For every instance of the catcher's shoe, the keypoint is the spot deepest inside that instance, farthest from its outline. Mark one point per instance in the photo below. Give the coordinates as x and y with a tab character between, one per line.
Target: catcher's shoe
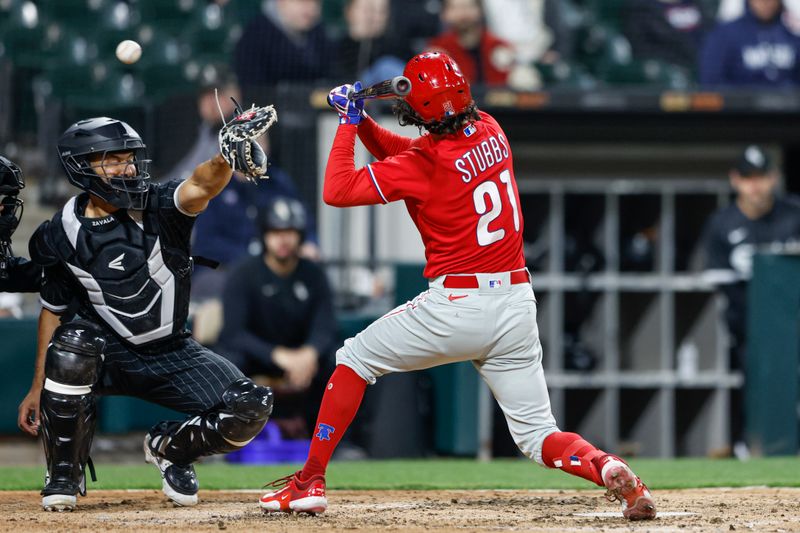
296	496
178	482
625	486
61	494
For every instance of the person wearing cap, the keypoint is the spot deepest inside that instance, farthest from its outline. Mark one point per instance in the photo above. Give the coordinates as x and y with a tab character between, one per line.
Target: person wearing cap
758	217
278	317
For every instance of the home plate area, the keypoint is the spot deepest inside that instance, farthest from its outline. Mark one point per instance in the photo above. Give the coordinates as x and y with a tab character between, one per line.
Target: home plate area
749	509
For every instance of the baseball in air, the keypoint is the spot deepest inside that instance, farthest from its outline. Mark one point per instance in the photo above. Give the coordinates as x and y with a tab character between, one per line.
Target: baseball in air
129	51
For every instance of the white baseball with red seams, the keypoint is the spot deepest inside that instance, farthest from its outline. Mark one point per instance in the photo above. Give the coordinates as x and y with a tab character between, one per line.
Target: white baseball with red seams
494	326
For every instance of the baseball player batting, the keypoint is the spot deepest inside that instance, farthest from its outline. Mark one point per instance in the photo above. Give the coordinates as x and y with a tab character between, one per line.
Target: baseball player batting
458	185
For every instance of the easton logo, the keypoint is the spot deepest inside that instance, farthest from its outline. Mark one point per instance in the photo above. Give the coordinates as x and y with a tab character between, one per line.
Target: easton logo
116	264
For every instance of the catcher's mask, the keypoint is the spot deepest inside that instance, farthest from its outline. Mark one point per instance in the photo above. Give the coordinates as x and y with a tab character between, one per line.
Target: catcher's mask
11	182
281	214
438	88
84	152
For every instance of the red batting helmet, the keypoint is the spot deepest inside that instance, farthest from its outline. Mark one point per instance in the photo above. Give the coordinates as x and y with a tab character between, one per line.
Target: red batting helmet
438	88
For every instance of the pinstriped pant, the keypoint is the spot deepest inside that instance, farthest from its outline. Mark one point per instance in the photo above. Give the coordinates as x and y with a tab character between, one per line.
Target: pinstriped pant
189	379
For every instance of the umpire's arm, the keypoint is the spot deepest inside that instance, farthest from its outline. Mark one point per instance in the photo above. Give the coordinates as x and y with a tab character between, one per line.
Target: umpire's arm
207	181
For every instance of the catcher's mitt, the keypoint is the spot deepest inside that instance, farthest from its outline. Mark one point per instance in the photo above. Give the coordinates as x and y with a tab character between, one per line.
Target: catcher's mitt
237	140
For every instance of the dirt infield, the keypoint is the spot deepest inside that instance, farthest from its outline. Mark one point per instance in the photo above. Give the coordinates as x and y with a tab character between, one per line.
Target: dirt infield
755	509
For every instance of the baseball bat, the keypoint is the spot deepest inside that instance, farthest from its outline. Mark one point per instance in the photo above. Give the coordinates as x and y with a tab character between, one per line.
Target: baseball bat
397	86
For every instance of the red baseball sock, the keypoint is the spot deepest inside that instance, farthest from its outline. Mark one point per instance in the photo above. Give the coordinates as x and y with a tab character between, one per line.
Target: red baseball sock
573	455
340	403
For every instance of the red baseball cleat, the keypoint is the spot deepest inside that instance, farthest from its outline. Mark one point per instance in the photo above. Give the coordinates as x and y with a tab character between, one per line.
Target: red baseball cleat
295	496
625	486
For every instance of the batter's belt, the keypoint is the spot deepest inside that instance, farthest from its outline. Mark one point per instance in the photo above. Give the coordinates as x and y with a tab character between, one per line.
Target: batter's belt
471	282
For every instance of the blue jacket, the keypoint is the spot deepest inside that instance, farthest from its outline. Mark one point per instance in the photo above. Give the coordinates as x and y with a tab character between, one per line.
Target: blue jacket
749	53
226	230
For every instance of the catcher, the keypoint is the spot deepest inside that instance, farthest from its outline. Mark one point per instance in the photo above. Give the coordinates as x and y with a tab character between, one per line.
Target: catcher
115	298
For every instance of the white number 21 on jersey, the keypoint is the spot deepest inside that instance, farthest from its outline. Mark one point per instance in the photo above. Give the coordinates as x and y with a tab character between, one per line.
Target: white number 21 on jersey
490	189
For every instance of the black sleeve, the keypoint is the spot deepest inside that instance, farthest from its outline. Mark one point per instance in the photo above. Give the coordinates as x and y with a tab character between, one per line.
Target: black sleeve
23	276
716	248
56	293
324	327
176	224
235	335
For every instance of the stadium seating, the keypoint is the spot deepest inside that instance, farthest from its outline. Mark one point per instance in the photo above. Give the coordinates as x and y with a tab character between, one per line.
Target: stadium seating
212	34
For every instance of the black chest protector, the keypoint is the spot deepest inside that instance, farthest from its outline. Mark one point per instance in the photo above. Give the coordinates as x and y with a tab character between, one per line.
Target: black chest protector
131	279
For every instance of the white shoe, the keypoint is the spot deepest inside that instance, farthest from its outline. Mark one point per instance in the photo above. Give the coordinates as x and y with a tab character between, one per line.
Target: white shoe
59	502
741	451
179	483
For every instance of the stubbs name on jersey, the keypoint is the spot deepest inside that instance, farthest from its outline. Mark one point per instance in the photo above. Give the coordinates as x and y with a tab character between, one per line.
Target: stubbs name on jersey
481	157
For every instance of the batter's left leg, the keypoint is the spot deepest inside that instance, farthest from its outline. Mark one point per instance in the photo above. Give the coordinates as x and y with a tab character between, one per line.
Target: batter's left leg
513	371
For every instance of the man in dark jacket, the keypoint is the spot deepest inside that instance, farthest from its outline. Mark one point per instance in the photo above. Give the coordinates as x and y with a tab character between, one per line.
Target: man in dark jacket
285	43
278	314
759	217
667	30
756	50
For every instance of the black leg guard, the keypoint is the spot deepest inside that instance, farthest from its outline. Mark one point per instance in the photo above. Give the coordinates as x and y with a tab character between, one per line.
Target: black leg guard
68	407
246	409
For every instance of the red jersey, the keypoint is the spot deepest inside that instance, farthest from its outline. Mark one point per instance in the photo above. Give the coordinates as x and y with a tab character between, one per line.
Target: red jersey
459	190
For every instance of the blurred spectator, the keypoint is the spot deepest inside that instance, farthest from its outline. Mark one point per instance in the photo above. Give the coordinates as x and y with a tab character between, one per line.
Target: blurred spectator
732	235
286	42
366	51
413	23
207	144
278	314
538	31
729	10
756	49
483	58
667	30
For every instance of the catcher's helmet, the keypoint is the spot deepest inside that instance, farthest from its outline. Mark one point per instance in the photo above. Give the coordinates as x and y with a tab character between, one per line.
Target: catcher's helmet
438	88
283	213
103	135
11	182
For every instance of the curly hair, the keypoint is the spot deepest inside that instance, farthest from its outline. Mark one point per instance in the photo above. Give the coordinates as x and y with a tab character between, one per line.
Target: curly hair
406	116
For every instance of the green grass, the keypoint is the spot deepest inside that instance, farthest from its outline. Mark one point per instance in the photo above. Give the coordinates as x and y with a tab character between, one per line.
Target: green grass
443	474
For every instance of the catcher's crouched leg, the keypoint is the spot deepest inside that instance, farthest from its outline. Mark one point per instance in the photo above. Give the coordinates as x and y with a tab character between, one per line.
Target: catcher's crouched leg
174	446
68	410
244	412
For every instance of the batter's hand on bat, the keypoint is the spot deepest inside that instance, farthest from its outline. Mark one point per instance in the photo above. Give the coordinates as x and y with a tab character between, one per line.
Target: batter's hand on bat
350	111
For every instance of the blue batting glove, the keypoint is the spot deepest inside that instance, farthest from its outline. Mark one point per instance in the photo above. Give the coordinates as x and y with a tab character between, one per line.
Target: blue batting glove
350	111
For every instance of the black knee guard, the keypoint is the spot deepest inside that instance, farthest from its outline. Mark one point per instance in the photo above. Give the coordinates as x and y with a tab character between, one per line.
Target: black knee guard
246	408
68	411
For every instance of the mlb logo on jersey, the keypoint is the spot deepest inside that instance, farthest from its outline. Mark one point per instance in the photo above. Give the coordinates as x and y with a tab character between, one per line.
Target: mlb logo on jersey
494	283
470	130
